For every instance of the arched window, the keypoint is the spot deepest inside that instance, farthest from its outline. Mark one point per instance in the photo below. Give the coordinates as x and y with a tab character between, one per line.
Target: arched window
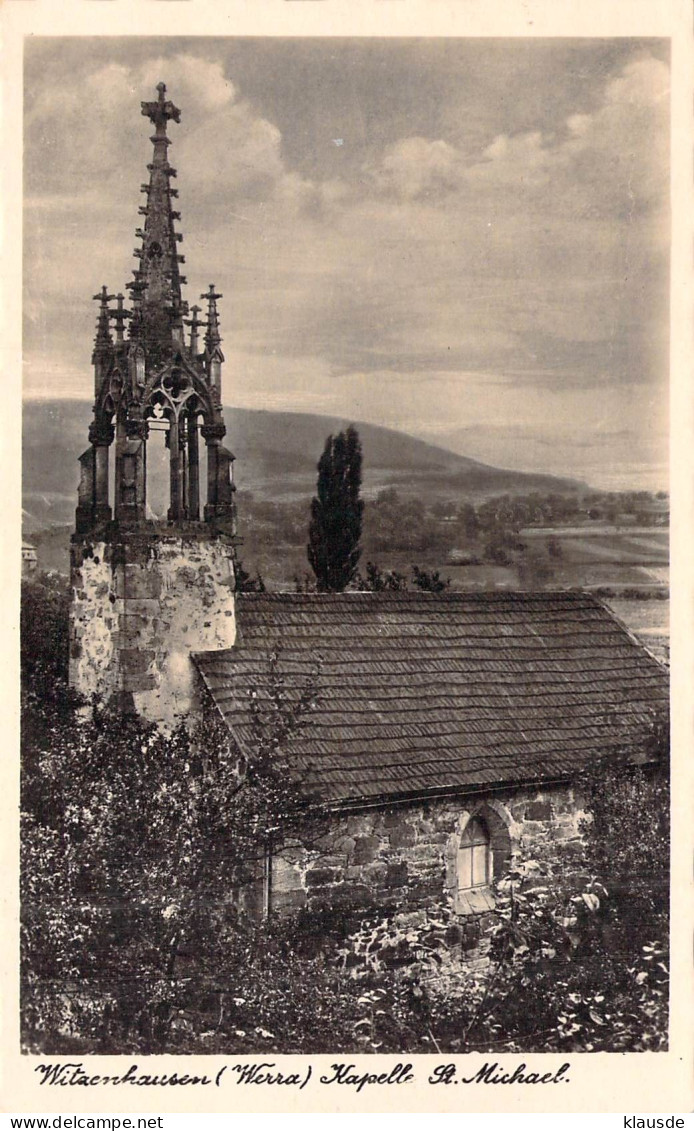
473	866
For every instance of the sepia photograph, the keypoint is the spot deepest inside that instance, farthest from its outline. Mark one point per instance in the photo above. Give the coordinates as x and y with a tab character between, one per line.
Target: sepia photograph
345	545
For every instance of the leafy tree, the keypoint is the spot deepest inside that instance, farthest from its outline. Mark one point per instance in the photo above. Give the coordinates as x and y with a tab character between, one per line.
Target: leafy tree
579	945
245	583
468	522
429	581
142	858
304	583
499	544
443	508
627	840
336	513
534	571
137	936
396	522
44	623
378	580
577	939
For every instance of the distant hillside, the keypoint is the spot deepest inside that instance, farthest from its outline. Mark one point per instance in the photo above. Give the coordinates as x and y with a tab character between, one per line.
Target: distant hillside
276	455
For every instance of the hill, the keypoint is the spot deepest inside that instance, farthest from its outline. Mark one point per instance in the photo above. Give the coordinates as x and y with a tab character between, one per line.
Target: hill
276	456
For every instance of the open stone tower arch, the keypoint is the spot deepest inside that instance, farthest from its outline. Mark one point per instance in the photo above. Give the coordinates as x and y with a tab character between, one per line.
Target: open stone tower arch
145	594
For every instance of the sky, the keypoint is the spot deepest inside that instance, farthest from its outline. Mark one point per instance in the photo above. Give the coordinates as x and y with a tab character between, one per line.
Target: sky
464	239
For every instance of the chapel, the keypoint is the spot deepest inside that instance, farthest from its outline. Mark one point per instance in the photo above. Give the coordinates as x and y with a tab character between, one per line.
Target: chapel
448	729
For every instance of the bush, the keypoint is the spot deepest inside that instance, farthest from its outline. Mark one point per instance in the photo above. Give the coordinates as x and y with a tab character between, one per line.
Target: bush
136	935
44	634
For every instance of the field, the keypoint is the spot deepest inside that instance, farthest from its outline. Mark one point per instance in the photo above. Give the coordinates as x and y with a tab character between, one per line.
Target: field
588	545
625	564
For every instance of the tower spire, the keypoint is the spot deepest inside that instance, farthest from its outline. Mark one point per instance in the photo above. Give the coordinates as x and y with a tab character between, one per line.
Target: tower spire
152	379
158	306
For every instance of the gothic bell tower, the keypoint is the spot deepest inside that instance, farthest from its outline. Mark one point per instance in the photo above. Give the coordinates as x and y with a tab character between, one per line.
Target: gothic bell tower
146	593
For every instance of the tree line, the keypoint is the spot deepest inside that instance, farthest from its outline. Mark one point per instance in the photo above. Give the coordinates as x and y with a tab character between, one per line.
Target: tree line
342	530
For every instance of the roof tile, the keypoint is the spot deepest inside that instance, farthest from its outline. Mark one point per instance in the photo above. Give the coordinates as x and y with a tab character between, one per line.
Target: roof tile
427	693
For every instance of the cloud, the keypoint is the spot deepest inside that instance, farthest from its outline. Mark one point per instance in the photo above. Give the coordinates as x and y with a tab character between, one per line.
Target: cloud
620	155
417	167
225	141
610	162
80	135
530	263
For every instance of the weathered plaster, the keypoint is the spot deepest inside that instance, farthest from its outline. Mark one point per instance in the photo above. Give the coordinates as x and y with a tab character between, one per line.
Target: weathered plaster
94	613
140	606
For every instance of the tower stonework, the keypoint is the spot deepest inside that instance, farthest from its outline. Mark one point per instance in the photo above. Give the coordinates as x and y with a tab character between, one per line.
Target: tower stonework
145	592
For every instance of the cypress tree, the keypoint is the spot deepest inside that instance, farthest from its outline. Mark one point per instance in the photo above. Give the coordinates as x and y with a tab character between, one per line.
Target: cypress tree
336	513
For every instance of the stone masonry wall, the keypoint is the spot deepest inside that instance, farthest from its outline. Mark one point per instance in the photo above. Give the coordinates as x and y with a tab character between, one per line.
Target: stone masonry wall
405	858
139	607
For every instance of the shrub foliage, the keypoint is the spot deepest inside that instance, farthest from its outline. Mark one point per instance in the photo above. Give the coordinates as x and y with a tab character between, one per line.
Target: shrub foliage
142	862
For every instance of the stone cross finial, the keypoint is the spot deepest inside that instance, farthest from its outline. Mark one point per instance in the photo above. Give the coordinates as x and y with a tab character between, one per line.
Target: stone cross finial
103	296
161	111
212	337
103	336
195	323
119	316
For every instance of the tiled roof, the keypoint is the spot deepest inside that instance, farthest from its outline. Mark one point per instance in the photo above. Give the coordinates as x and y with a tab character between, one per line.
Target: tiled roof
423	694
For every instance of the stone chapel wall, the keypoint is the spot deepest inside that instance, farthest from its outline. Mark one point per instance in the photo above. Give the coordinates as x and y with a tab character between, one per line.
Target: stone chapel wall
404	858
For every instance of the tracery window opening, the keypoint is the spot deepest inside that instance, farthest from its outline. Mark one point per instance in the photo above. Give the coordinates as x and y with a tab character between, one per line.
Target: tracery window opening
474	856
158	498
179	467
